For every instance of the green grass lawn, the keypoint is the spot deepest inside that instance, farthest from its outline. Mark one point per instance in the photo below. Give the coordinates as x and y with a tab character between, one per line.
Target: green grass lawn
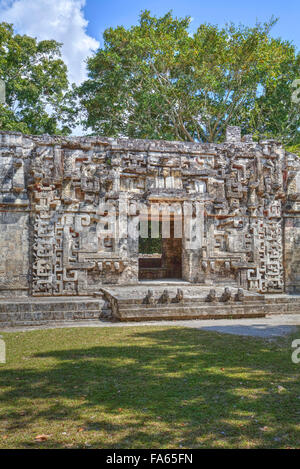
148	387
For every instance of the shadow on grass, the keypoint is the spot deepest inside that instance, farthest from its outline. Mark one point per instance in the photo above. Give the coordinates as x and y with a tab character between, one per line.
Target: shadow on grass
164	388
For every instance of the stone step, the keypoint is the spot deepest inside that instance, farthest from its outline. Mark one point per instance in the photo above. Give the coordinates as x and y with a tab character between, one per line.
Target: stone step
15	307
192	312
179	315
200	305
186	301
150	312
39	311
127	304
36	316
130	303
18	323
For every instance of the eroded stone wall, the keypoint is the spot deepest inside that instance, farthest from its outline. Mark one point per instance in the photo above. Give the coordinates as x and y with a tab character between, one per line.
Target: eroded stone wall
241	199
14	217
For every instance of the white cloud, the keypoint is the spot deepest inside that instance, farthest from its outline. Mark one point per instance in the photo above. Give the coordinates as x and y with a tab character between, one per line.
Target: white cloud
62	20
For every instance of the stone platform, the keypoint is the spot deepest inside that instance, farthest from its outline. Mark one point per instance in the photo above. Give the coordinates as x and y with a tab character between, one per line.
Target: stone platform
128	303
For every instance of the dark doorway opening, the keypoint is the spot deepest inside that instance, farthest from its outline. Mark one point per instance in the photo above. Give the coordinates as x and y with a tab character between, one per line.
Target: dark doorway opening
160	258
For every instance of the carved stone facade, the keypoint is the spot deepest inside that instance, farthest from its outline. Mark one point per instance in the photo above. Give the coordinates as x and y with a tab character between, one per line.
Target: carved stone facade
70	210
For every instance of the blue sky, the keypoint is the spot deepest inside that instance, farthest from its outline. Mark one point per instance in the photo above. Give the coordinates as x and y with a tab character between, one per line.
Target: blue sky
102	14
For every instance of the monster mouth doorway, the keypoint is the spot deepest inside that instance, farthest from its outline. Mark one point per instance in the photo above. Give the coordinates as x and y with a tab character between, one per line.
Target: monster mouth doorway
160	257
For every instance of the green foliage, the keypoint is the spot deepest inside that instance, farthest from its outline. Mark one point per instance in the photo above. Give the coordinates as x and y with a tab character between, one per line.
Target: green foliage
156	80
151	245
275	113
36	84
294	149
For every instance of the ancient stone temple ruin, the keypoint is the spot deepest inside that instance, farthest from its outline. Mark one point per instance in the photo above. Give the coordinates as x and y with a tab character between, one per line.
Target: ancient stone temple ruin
75	212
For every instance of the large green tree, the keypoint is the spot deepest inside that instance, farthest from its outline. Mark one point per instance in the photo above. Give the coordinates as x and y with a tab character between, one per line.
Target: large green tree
277	111
157	80
36	84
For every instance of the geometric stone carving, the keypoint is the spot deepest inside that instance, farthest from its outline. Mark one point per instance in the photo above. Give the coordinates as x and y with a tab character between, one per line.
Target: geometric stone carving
71	208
